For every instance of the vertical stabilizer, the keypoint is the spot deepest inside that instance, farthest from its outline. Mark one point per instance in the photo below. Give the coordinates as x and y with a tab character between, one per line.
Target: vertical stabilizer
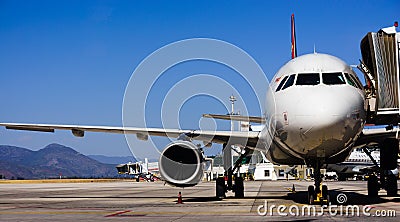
294	45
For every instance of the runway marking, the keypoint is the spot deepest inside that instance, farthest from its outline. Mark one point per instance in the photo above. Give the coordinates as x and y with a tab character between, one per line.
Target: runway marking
117	213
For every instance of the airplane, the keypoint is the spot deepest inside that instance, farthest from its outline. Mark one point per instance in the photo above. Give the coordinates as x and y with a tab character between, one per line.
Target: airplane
358	163
314	115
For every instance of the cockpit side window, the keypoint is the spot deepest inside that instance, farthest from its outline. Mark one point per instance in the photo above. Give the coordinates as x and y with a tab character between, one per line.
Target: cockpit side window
350	80
308	79
281	84
290	81
355	79
335	78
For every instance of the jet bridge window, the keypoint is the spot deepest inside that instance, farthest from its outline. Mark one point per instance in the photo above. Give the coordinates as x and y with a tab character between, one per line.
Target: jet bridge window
335	78
289	82
281	84
308	79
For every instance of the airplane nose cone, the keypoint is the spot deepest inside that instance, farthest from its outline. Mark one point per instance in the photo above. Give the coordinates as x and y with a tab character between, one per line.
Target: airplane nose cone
327	109
328	119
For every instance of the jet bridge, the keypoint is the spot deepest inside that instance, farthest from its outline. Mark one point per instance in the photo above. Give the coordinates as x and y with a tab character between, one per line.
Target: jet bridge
380	65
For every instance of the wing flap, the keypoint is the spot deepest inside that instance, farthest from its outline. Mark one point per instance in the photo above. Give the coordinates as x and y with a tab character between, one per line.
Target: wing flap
252	119
40	129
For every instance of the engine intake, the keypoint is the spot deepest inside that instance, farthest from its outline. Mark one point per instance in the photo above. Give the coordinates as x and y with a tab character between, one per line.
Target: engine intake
181	164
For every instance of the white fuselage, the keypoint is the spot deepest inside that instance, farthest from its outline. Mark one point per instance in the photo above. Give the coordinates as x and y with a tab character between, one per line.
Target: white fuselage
315	110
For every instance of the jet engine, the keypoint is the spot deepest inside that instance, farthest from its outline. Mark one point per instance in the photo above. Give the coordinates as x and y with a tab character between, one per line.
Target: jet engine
181	164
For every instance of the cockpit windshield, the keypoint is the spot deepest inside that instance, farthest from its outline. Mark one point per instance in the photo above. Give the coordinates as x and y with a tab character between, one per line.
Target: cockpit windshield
353	81
281	84
312	79
350	80
335	78
308	79
289	82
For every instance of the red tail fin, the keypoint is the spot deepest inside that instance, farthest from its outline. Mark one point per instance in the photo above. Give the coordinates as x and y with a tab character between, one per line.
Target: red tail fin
294	45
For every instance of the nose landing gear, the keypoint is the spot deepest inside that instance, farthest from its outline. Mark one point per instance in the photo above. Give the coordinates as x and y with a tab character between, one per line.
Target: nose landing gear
318	194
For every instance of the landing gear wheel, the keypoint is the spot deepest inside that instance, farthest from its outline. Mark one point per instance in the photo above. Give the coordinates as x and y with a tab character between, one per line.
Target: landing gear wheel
138	179
220	188
373	186
391	186
324	191
239	187
325	195
311	193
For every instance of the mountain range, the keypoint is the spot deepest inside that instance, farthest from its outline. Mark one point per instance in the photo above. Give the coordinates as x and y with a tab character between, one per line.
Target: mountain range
50	162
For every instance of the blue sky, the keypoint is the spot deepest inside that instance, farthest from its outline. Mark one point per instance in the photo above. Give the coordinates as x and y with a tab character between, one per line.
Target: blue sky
68	62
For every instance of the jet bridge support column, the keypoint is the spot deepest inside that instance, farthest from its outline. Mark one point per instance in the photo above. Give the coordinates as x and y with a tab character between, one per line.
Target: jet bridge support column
389	173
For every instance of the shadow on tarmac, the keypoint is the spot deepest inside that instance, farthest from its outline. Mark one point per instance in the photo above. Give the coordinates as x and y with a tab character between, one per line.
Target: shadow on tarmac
353	198
299	197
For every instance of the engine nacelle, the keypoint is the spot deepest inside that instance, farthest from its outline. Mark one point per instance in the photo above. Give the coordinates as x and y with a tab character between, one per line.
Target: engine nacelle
181	164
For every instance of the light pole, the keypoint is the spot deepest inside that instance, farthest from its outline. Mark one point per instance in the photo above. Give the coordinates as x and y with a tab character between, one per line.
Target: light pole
232	98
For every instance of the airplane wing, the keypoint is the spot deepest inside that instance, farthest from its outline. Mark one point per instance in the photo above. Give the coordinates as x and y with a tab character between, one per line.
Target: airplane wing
253	119
222	137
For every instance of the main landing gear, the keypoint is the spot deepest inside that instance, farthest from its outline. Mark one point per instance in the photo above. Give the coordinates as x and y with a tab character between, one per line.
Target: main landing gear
318	194
387	170
221	188
238	188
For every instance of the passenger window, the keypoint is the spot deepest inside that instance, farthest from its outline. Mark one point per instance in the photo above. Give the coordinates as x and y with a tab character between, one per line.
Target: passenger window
335	78
308	79
289	82
281	84
349	80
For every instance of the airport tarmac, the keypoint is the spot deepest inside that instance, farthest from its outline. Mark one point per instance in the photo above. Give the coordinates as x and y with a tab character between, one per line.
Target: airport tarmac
147	201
